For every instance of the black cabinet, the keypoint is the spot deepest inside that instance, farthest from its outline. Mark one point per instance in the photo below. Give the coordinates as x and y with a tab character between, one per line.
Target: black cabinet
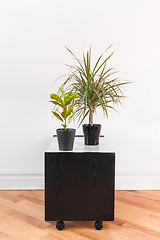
79	186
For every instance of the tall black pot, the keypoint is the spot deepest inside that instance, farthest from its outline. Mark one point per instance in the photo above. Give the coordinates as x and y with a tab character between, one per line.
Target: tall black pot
65	138
91	134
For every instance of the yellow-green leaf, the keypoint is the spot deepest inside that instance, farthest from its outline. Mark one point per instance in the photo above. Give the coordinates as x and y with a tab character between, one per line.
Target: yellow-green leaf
57	116
56	98
64	115
55	103
70	109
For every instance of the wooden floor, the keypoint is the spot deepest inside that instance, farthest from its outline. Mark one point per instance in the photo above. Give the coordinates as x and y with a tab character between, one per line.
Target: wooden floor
137	216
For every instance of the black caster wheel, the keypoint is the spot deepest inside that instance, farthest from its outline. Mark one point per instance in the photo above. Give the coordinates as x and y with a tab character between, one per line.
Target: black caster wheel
98	225
60	225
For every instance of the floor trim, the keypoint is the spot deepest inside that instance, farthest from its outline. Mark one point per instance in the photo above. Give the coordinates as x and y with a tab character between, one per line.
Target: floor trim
35	180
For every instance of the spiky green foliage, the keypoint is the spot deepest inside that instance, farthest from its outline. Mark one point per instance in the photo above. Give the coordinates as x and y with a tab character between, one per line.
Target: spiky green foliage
66	103
96	86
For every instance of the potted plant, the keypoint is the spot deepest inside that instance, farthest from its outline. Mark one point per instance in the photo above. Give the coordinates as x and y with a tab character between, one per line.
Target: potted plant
97	88
66	103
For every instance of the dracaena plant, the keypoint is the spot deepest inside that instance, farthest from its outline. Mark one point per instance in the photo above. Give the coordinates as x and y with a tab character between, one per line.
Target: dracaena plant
66	103
96	86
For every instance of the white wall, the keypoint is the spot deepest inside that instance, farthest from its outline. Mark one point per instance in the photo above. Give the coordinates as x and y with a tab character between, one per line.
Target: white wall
32	55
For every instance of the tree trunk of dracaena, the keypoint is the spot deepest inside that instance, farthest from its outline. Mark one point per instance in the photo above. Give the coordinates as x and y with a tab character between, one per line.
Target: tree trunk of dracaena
92	111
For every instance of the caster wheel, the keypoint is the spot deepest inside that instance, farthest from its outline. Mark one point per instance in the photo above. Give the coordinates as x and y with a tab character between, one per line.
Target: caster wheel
60	225
98	225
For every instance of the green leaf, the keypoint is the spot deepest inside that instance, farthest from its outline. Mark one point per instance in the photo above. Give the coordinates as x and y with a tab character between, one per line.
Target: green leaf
100	58
69	51
101	101
103	63
97	62
84	116
63	92
75	57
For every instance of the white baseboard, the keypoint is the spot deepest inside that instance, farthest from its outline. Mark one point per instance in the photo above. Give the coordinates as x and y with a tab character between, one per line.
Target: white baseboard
21	180
138	181
35	180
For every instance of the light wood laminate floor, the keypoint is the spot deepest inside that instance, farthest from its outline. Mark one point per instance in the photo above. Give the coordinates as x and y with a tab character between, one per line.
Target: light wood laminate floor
137	216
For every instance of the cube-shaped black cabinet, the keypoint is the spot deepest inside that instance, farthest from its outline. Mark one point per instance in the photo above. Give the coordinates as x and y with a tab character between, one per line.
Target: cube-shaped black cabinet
79	186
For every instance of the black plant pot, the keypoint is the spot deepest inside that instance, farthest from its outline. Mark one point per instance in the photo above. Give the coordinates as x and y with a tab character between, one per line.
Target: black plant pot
91	134
65	138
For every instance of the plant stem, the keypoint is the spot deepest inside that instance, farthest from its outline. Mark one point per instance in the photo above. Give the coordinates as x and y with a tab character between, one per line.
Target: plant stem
65	125
92	111
90	117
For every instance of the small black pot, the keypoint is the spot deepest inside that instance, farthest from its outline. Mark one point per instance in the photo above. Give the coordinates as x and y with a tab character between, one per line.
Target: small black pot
65	138
91	134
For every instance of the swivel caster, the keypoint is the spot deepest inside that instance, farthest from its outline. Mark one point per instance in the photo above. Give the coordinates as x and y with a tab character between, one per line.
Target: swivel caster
98	225
60	225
